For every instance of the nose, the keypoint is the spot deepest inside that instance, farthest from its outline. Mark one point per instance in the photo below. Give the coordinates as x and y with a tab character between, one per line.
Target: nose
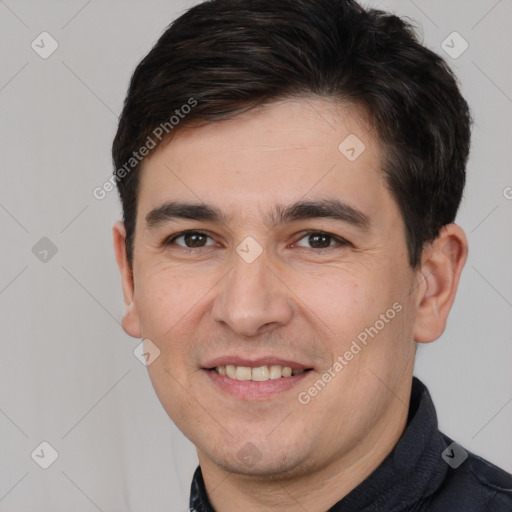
252	298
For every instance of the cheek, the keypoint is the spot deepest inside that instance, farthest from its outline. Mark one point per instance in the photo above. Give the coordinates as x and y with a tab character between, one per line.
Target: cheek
337	301
168	306
344	303
163	300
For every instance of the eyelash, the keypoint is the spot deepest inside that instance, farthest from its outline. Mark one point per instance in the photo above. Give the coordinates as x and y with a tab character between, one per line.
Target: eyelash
341	241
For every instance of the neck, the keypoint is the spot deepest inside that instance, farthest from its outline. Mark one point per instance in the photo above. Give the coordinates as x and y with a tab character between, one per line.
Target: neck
312	490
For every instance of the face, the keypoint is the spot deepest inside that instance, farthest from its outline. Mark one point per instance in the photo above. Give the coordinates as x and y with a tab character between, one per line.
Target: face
267	245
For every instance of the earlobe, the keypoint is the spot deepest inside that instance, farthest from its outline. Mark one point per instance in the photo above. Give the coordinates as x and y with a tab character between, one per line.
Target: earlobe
130	321
442	264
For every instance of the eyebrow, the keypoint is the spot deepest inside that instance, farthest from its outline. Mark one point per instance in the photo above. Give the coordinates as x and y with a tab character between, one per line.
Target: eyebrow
301	210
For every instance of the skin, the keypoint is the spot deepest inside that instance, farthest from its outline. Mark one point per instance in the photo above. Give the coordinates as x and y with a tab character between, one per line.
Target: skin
297	301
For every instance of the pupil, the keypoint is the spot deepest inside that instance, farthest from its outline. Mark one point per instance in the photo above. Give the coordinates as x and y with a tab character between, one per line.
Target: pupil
194	239
317	240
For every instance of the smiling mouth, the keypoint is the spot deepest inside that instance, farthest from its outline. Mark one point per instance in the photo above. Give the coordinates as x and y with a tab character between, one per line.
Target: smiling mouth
258	373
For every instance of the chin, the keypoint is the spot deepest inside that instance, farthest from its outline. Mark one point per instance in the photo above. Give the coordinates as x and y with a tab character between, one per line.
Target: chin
265	464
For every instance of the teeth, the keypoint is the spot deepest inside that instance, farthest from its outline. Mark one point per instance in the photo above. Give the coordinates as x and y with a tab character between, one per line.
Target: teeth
286	371
275	371
243	373
230	371
260	373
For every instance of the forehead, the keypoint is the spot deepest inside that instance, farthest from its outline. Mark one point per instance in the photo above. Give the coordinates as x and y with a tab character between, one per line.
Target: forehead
276	154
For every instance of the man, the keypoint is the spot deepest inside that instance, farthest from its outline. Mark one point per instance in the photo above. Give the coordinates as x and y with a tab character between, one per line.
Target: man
290	173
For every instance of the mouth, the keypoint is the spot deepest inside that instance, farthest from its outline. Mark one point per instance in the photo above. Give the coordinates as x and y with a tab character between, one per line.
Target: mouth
257	373
256	379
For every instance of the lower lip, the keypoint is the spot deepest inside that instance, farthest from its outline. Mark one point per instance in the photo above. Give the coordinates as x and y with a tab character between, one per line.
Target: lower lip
255	390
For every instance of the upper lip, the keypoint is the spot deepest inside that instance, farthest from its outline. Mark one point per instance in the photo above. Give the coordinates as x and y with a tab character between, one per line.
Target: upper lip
254	362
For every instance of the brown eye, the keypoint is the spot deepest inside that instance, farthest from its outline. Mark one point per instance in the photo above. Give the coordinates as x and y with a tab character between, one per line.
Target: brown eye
191	240
320	240
194	239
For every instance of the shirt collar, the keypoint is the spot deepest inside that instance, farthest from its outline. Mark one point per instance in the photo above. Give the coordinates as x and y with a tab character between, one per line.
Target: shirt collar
408	475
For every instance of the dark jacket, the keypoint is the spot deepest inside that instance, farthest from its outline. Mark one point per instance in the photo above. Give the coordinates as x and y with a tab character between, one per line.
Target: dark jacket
426	471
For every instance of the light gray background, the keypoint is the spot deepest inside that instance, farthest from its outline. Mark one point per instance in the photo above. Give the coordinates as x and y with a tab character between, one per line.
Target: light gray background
68	373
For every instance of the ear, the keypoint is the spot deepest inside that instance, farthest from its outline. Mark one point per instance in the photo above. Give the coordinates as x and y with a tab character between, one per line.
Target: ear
131	321
442	264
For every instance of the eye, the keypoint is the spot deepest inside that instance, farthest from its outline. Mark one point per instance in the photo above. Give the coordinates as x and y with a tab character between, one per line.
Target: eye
320	240
190	240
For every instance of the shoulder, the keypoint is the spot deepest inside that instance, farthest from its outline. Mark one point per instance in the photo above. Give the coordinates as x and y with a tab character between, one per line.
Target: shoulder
497	481
476	485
